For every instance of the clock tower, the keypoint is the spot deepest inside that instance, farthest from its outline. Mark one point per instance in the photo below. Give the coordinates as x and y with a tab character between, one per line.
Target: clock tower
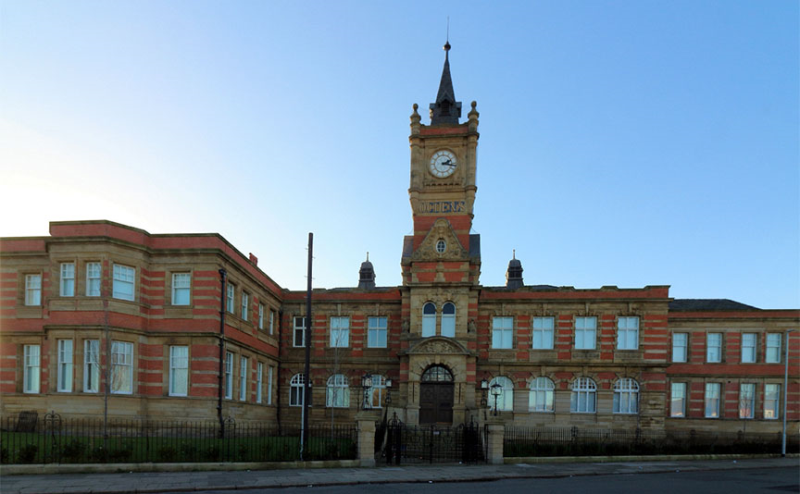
441	263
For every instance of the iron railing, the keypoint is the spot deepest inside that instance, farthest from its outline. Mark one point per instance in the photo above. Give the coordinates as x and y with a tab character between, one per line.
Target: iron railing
572	441
53	439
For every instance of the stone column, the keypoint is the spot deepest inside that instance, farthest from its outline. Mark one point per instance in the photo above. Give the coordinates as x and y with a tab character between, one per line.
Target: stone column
366	442
494	451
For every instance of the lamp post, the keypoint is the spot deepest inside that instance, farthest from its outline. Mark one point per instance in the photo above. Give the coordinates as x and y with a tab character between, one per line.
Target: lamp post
484	388
496	389
785	391
366	384
388	392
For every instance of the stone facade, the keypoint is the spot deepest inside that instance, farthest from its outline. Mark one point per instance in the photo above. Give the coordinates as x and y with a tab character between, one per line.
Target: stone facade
99	306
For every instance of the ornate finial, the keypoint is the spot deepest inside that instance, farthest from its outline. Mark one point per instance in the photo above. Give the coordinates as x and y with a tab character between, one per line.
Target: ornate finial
474	104
367	256
446	46
513	254
415	107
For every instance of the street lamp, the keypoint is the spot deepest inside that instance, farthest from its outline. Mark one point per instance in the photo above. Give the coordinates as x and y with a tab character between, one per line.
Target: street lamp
496	390
388	392
785	389
366	384
484	388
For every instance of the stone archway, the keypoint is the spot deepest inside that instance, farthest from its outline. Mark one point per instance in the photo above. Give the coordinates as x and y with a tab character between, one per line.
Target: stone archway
436	396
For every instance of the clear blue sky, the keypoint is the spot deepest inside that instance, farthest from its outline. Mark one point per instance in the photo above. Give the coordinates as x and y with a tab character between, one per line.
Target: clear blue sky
625	143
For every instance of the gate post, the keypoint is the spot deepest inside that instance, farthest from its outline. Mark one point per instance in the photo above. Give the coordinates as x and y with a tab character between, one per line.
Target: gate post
366	443
494	451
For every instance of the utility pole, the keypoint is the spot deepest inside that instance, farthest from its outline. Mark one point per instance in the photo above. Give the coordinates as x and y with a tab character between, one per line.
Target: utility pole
222	299
785	391
307	345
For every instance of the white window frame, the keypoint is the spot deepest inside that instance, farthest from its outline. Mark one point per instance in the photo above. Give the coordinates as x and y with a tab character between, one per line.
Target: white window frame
747	400
296	387
714	348
337	392
259	381
711	400
428	320
626	396
503	332
543	333
299	329
122	368
680	347
774	343
243	371
181	288
377	332
586	333
449	320
179	370
628	333
270	373
772	401
583	398
230	296
748	348
542	395
33	290
65	365
124	282
66	285
271	321
375	392
245	306
261	316
505	401
94	271
31	371
91	366
340	332
677	407
228	376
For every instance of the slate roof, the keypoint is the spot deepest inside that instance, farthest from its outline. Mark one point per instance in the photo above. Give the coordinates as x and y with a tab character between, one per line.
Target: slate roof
707	304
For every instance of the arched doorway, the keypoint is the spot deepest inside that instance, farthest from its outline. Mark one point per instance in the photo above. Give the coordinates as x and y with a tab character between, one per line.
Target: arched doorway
436	396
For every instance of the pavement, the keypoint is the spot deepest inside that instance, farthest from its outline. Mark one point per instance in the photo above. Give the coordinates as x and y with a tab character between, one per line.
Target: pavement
185	481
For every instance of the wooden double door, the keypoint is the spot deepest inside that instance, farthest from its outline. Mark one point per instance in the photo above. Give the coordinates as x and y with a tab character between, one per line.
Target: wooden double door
436	403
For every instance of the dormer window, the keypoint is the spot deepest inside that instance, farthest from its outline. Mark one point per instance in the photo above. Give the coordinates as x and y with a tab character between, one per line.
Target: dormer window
445	108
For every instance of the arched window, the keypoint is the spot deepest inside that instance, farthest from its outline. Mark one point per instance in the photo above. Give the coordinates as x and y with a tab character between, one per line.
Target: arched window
449	320
626	396
584	396
437	373
375	392
505	400
296	390
428	320
541	398
337	394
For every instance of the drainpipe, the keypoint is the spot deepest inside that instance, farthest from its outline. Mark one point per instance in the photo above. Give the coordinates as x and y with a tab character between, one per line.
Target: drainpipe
785	392
277	381
223	297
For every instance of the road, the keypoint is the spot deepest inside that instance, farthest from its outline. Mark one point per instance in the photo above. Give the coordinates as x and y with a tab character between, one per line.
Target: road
750	481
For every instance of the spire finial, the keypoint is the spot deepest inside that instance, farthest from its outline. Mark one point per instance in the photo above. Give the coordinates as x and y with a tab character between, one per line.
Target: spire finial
367	256
513	254
447	39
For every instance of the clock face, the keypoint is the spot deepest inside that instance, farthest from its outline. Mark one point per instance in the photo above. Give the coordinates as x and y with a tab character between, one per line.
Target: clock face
443	164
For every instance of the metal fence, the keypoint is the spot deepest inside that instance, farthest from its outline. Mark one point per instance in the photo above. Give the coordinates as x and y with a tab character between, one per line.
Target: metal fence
572	441
88	440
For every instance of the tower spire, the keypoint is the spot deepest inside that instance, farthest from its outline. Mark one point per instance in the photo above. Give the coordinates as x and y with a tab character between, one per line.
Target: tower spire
446	110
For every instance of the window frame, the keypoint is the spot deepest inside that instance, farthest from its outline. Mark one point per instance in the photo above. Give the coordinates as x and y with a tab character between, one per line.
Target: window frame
718	346
340	332
448	324
296	387
751	348
230	298
299	329
65	363
375	392
33	290
747	411
119	276
772	399
337	392
245	315
120	369
178	366
542	389
91	365
259	382
179	290
505	400
271	321
31	369
685	347
543	332
270	375
585	331
228	391
66	282
261	316
583	391
711	403
428	320
681	399
776	349
243	372
629	335
502	332
93	283
626	397
377	331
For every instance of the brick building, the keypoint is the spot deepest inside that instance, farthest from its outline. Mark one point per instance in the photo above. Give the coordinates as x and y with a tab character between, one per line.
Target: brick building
165	326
